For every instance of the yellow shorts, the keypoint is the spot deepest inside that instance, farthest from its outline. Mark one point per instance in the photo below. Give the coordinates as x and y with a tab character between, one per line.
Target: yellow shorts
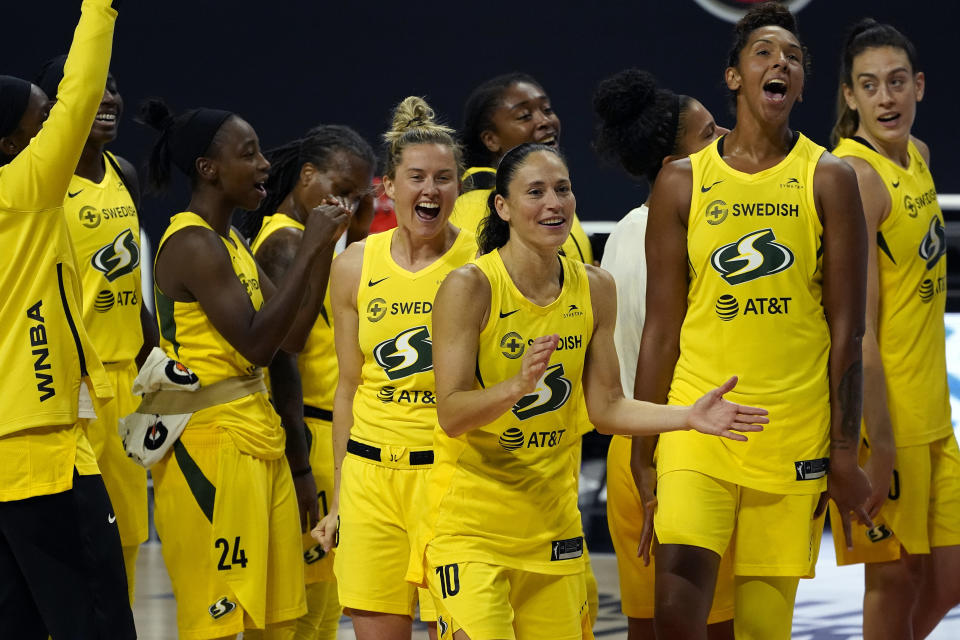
922	509
126	481
381	508
230	531
318	565
771	534
625	519
492	602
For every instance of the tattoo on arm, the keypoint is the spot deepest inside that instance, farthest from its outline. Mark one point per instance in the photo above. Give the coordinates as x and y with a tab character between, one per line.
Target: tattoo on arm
850	393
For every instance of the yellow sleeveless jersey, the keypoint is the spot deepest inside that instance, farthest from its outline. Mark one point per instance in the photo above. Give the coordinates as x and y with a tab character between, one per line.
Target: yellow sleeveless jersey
317	362
105	231
187	335
471	208
913	290
46	349
506	493
396	401
754	309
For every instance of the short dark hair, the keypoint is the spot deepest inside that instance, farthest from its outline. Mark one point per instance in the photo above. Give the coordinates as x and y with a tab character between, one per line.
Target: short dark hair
477	112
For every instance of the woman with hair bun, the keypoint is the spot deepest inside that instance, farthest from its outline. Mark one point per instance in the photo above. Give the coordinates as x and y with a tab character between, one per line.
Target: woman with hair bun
642	128
226	506
524	344
384	411
912	555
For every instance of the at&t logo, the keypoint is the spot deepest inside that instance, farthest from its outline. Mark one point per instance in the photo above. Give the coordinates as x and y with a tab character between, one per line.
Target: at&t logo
728	307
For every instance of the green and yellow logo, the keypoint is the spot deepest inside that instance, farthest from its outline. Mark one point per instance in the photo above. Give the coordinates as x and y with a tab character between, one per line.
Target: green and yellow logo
753	256
934	243
411	352
551	393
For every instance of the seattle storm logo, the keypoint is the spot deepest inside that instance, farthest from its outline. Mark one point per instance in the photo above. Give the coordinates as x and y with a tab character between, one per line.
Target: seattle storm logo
118	258
550	394
409	353
934	243
753	256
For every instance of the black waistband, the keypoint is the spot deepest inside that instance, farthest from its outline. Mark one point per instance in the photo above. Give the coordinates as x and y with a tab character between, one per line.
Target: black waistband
317	413
373	453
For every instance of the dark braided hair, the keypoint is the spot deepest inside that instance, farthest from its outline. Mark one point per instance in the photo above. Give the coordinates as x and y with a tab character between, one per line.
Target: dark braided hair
494	230
865	34
318	148
478	111
640	123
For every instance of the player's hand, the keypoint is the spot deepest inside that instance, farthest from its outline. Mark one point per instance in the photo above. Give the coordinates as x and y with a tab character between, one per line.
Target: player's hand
849	487
326	530
306	489
645	477
879	470
325	223
713	415
534	363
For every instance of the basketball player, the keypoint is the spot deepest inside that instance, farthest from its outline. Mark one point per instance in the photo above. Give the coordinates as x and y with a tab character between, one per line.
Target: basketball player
101	209
384	411
500	114
49	479
912	555
226	508
756	257
331	161
642	127
524	338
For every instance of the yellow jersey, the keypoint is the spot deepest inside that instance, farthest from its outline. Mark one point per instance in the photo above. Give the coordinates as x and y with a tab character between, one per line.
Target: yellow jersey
317	362
506	493
45	347
187	335
105	231
912	266
396	402
754	308
471	208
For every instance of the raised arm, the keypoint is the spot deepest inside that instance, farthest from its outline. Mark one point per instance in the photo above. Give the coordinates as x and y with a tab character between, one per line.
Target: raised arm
844	302
344	284
38	177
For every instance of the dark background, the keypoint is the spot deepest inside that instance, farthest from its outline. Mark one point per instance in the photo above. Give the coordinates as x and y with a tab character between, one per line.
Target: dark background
286	65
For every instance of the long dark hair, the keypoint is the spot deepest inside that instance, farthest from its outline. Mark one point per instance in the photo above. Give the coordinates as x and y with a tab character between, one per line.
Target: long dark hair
318	148
865	34
494	230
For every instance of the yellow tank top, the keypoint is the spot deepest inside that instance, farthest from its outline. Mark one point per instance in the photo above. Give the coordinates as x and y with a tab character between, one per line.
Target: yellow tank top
396	401
754	309
506	493
317	362
913	290
471	208
105	231
187	335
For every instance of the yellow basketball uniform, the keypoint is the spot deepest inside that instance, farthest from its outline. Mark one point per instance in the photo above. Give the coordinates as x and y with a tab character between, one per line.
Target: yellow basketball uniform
471	208
923	503
45	346
225	504
105	231
754	308
390	452
505	495
317	364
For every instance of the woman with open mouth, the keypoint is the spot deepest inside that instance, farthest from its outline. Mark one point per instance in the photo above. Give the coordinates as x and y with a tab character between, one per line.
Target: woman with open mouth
910	452
384	410
524	344
756	257
226	505
500	114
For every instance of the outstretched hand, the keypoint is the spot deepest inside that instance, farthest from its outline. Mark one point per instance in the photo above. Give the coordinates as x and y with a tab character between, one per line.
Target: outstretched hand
713	415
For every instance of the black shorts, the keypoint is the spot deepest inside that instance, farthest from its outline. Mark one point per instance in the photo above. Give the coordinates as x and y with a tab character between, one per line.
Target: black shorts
61	567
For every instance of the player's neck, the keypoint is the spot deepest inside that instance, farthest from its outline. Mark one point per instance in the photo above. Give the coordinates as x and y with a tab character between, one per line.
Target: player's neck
293	209
92	164
897	151
413	252
211	205
754	145
535	271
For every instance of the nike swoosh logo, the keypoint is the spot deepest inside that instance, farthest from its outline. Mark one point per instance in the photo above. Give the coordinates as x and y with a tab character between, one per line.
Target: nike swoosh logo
73	195
372	283
508	313
111	518
705	189
896	184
